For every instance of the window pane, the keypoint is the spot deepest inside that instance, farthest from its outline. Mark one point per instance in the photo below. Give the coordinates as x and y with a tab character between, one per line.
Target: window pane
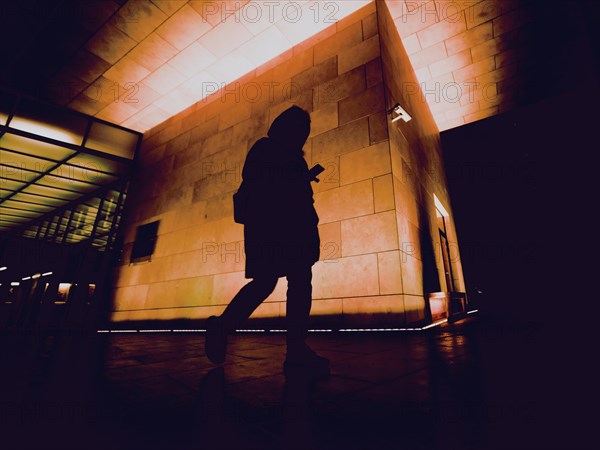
8	225
52	122
103	226
100	244
82	223
34	147
8	220
38	200
74	238
24	161
7	210
10	184
26	207
52	192
63	224
112	140
145	242
51	229
17	173
83	174
93	204
95	164
67	183
61	230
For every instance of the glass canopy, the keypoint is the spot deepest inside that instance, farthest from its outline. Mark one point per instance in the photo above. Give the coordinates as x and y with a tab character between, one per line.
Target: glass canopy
63	175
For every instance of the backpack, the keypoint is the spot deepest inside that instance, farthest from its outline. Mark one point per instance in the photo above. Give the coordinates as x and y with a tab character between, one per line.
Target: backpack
240	204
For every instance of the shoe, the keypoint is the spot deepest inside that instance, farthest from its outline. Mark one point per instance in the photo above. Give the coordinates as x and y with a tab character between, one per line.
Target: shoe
304	358
215	344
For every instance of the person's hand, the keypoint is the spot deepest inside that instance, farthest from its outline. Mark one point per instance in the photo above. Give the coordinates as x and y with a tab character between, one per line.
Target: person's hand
315	171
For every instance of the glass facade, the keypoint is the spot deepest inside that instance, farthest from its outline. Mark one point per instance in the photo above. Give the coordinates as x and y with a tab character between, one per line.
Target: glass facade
95	218
63	175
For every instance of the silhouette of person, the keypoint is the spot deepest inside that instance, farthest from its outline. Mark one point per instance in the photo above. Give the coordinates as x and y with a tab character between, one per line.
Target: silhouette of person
281	238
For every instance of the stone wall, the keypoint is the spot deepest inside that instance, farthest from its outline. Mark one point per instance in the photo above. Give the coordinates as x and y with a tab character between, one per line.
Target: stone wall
191	164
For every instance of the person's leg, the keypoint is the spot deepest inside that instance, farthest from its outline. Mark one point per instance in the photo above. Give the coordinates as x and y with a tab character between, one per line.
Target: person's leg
246	301
238	310
298	305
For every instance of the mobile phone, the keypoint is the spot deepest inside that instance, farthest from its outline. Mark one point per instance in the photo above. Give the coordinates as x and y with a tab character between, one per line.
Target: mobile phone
315	172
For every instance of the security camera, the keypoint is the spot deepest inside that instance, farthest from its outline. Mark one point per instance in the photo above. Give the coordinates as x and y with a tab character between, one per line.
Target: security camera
400	113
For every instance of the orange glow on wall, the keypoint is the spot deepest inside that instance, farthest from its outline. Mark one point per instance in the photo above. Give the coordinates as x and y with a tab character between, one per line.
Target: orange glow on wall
191	163
154	61
465	54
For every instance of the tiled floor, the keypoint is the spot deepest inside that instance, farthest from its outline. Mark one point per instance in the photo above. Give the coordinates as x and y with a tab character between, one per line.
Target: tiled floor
470	385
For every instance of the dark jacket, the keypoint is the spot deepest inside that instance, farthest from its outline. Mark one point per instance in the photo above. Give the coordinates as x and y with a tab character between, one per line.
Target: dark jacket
281	230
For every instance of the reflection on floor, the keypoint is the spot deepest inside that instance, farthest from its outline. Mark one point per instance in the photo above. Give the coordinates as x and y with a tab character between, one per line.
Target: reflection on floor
468	385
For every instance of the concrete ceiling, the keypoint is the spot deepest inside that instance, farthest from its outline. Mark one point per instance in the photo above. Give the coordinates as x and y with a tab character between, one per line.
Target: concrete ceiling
138	62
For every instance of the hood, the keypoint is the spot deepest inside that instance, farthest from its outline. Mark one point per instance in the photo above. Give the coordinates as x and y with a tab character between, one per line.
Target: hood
291	128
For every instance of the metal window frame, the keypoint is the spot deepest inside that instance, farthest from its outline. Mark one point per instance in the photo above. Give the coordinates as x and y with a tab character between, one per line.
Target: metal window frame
15	100
118	213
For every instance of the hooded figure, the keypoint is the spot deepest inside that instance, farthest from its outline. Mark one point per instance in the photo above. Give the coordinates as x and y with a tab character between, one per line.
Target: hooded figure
281	229
281	239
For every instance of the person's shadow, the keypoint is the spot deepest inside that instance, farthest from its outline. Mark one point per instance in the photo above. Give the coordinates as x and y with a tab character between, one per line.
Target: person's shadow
210	430
297	428
215	424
